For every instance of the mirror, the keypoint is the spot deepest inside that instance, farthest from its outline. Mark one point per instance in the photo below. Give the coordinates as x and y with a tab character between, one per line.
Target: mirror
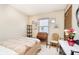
77	16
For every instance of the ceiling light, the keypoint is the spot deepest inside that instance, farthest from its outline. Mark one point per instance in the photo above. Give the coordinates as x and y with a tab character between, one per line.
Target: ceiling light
53	21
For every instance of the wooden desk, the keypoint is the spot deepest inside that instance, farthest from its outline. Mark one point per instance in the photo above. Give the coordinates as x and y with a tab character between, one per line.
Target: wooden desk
68	49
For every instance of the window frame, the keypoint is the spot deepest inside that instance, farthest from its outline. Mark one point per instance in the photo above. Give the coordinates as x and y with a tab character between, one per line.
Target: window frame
43	26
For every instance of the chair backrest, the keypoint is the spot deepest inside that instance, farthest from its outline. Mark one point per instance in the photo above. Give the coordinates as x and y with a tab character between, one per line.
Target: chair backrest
55	36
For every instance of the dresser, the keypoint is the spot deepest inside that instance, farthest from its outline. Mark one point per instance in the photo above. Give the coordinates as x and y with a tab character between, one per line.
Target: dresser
42	36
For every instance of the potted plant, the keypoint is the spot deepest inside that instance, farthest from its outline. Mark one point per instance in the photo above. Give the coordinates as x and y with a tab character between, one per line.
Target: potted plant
71	35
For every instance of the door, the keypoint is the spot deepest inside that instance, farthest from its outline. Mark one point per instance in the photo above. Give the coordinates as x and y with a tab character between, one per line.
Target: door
68	20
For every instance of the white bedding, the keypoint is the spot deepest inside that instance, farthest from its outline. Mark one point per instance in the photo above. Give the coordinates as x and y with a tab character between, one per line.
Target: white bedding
6	51
32	41
19	45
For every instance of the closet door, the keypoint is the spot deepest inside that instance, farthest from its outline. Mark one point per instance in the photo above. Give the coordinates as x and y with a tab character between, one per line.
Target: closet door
68	20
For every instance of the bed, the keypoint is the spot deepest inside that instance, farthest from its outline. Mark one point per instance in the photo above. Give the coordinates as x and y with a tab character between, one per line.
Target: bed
21	46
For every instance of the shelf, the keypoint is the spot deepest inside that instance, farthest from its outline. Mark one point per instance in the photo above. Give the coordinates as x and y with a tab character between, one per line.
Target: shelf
29	30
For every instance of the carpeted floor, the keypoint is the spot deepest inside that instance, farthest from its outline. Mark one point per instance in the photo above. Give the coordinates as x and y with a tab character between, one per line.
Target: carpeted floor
47	51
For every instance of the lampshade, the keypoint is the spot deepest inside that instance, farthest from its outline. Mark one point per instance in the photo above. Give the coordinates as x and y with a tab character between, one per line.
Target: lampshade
66	32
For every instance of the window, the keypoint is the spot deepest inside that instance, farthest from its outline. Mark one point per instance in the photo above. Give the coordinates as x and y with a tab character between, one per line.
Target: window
43	25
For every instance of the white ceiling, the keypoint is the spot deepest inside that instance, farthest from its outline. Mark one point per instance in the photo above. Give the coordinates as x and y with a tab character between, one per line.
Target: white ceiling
34	9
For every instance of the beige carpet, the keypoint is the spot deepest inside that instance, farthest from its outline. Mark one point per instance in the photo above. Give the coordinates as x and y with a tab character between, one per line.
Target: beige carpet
47	51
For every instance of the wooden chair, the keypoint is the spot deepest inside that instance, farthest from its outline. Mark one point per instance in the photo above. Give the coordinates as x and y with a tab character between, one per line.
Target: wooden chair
54	40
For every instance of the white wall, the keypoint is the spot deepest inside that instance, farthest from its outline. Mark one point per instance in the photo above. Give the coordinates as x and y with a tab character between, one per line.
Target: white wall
59	15
12	23
74	22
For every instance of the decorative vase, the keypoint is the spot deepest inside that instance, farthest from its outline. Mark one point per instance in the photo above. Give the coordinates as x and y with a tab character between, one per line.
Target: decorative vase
71	42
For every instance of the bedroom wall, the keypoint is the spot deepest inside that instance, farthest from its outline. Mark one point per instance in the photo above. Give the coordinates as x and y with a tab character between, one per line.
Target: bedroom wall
74	22
59	15
12	23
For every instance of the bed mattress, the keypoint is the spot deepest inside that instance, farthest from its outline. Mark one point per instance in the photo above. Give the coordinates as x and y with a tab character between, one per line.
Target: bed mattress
20	45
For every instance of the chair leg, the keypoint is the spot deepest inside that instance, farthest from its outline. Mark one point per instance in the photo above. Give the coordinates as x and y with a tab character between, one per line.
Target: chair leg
57	49
46	44
49	45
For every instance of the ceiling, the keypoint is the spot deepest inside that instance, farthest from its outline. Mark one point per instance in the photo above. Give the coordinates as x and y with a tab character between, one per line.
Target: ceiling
34	9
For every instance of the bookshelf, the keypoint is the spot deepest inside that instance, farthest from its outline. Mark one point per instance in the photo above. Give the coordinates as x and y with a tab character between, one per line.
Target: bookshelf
29	30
